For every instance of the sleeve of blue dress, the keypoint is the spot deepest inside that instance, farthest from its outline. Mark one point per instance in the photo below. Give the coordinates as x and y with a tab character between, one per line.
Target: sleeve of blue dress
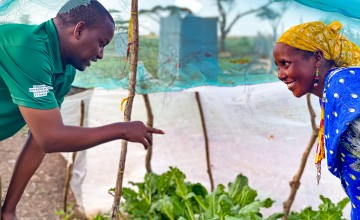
341	99
349	165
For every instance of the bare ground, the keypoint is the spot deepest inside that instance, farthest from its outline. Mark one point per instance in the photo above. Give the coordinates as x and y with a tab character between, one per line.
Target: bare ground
43	196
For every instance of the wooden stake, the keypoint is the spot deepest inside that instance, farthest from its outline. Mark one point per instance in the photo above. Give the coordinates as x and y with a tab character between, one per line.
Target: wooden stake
206	141
295	183
134	47
70	167
149	123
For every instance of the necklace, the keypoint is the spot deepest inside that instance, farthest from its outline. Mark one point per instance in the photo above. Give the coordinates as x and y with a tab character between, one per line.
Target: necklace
320	148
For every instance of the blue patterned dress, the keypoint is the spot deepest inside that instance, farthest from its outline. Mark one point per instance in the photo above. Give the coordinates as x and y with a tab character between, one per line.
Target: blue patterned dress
341	101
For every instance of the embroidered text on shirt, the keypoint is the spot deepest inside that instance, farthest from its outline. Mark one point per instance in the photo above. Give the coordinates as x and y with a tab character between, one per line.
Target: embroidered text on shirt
40	90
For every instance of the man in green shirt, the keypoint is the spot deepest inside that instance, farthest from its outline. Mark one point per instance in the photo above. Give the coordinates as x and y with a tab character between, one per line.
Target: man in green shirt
37	67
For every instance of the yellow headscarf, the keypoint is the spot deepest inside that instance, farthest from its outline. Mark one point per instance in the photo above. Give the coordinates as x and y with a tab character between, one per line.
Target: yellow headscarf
315	35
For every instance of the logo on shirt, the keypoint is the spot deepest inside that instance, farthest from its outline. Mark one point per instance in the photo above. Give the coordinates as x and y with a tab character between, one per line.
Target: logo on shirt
40	90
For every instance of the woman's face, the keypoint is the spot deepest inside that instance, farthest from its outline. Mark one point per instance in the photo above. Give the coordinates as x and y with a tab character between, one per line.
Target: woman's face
295	68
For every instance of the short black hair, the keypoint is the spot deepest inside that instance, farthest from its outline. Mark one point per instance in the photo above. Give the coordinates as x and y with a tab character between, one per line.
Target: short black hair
88	11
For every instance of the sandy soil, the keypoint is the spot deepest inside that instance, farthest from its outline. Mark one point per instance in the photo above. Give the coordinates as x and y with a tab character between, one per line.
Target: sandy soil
43	196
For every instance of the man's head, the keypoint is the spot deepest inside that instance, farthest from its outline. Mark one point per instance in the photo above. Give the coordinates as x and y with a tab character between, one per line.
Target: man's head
84	27
89	11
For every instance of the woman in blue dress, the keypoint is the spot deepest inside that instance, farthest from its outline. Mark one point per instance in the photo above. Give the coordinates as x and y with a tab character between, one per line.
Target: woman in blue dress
315	58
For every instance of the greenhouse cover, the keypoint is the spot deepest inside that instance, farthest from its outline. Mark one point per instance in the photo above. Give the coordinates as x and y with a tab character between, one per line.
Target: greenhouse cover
186	50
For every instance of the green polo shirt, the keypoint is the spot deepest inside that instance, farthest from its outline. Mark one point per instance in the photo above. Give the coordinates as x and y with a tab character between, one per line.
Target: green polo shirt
31	72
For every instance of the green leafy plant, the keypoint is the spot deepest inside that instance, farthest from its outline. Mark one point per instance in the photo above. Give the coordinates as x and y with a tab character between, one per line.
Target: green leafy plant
327	211
168	196
64	215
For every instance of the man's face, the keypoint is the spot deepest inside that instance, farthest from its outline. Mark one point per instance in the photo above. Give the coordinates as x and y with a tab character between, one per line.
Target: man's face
91	43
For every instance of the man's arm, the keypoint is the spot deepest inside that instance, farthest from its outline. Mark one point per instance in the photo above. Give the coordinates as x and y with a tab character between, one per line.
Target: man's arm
27	163
52	135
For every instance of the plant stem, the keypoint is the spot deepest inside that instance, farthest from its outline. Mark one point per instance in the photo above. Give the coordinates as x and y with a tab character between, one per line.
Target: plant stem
191	213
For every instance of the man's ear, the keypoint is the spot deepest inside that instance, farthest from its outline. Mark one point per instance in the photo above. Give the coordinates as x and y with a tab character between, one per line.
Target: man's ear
79	30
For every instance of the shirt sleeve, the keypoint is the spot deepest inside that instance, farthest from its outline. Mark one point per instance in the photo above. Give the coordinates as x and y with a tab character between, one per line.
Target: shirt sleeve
27	72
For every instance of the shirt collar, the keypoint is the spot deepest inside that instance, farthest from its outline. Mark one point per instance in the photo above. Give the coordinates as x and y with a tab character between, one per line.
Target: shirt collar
54	46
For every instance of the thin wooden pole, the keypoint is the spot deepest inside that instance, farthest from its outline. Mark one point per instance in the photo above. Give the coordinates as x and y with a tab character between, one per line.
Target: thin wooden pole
150	123
207	151
134	47
0	198
295	182
70	167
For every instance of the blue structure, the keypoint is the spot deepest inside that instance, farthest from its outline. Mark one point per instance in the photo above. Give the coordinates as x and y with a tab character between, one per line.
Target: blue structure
188	49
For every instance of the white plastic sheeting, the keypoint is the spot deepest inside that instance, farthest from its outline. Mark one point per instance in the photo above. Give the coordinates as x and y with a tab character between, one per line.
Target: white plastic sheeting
258	130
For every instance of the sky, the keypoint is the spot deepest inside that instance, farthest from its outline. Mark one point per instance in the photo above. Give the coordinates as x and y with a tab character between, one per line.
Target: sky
247	26
202	8
207	8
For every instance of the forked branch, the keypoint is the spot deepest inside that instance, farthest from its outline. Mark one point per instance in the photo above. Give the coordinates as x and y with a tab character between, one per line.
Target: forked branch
295	182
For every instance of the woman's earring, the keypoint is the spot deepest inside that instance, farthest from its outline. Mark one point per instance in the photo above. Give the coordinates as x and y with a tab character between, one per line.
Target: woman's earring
316	80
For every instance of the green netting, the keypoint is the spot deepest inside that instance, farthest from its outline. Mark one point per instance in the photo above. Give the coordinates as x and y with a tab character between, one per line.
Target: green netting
180	48
5	6
349	8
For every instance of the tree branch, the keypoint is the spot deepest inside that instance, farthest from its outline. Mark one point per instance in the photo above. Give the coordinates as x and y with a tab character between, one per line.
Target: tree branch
240	15
295	183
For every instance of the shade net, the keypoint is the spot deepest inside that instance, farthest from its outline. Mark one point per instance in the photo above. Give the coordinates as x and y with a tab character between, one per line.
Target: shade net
185	44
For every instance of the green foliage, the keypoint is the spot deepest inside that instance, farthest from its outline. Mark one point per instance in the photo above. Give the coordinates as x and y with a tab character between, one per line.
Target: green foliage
65	215
327	211
240	46
101	217
158	10
240	64
114	67
169	196
148	53
120	23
